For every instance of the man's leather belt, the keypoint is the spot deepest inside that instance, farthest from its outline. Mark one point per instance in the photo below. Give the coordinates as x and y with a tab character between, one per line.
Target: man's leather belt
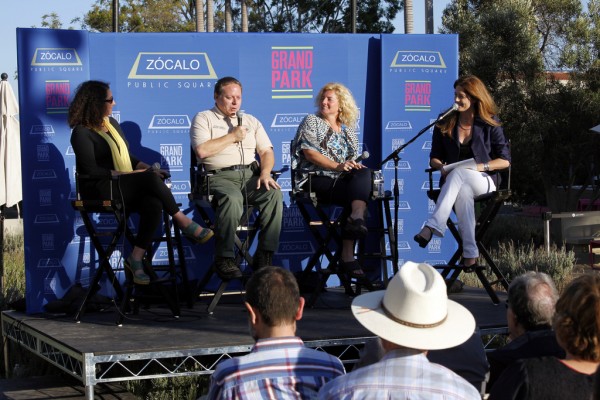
233	168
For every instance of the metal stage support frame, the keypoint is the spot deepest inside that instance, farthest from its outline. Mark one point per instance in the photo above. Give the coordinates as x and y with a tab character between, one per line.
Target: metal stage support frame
92	369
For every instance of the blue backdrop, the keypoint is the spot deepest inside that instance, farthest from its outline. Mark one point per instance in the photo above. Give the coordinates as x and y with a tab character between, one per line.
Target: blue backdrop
160	81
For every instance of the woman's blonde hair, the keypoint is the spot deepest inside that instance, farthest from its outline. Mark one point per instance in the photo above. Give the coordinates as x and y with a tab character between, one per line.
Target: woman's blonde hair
348	110
485	107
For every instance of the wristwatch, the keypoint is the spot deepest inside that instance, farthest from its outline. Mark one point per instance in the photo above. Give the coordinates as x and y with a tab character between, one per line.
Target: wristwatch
486	167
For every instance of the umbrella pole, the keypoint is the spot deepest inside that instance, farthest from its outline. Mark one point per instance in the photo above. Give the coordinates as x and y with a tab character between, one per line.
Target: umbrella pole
2	252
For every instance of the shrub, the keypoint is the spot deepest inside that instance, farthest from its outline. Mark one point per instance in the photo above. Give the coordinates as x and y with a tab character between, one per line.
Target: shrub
14	270
514	228
513	260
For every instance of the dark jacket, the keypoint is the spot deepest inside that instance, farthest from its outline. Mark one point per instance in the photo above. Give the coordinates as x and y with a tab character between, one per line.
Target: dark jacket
487	143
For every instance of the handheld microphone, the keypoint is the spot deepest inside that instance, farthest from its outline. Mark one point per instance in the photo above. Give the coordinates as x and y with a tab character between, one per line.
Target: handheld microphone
240	115
363	156
448	112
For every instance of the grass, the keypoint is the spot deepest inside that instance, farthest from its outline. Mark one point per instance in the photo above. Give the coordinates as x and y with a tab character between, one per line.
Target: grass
13	287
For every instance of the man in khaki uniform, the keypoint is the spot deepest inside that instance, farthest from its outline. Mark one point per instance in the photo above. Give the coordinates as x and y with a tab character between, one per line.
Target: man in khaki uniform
227	144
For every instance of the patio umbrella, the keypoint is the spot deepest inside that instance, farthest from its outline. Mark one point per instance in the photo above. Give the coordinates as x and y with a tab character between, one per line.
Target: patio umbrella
10	159
10	147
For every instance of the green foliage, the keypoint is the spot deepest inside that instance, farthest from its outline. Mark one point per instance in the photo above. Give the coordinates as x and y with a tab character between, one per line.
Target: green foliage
185	388
514	260
511	45
263	16
14	270
514	228
143	16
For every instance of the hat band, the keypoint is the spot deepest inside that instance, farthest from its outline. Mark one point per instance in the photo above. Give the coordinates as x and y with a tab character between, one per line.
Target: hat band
410	324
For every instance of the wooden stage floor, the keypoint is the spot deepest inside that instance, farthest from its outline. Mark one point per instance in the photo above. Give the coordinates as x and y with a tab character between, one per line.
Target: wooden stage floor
154	344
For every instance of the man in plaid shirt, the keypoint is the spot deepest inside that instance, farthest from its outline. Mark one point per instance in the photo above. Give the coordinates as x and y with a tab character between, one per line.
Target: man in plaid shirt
279	366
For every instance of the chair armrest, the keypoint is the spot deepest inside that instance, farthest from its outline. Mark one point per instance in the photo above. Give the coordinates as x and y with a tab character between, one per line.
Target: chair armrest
94	177
277	173
430	171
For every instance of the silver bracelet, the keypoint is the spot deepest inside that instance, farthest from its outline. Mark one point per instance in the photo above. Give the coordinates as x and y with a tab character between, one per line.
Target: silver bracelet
486	167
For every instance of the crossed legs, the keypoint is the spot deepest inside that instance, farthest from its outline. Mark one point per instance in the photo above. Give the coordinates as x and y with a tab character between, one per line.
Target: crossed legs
459	191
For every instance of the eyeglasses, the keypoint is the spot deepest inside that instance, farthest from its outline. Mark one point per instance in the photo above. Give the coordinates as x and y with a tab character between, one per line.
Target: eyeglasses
110	100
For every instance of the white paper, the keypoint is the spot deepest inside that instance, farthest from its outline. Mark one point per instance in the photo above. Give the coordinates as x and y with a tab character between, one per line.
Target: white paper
467	164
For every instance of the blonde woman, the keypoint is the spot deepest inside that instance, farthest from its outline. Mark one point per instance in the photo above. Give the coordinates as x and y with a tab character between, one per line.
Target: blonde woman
326	143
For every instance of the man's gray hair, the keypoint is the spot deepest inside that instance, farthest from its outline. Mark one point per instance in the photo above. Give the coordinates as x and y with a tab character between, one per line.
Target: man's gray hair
532	298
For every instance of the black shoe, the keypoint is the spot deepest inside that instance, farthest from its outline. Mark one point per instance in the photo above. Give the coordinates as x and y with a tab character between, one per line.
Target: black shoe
423	240
261	259
227	269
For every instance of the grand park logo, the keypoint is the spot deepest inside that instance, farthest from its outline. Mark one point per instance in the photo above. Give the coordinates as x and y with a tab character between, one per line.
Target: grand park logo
291	71
49	59
171	70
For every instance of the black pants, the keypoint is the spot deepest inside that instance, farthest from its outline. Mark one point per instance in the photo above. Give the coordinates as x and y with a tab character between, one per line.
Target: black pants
144	193
349	186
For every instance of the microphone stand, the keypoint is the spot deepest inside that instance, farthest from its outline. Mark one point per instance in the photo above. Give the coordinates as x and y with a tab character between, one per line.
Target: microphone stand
394	156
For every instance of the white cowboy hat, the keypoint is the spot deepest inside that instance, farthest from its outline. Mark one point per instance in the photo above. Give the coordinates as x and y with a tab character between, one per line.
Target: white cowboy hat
414	311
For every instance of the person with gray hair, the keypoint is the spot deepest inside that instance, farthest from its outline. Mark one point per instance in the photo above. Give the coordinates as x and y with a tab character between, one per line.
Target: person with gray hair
530	308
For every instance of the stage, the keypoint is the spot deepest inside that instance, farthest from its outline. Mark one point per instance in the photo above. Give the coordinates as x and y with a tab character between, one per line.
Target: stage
153	344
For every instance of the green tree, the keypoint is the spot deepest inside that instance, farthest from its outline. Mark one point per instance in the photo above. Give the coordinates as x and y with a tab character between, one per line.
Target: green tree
143	16
513	45
263	15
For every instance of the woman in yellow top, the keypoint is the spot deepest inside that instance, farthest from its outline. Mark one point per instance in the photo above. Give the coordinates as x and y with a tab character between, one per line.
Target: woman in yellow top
102	151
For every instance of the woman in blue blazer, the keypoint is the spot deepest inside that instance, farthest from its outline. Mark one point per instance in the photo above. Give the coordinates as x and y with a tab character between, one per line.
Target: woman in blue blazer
472	132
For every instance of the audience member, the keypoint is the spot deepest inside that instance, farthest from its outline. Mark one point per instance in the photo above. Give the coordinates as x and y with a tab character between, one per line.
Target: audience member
226	143
467	360
279	366
577	326
473	132
326	144
101	151
530	307
411	316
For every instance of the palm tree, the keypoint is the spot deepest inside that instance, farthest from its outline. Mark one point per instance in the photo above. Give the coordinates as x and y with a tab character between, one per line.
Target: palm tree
199	15
408	16
244	16
210	16
228	22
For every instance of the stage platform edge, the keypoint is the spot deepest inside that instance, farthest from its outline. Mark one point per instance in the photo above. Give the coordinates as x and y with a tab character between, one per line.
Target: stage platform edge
192	345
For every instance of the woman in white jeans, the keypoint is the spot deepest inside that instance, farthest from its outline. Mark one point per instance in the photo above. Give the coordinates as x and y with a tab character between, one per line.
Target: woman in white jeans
472	132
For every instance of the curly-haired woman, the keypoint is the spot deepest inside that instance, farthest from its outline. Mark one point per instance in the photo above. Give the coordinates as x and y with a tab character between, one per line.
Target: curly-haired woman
101	152
326	143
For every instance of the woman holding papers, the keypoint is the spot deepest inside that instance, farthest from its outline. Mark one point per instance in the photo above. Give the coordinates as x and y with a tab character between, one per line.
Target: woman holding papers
468	148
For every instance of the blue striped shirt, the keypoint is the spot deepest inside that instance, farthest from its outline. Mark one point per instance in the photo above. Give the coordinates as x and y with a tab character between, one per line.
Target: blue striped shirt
401	374
276	368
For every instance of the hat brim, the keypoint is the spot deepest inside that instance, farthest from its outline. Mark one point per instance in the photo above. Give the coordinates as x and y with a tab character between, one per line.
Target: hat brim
458	326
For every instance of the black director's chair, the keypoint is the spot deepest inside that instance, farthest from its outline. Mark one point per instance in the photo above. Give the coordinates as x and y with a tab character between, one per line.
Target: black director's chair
489	205
105	240
325	224
245	233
